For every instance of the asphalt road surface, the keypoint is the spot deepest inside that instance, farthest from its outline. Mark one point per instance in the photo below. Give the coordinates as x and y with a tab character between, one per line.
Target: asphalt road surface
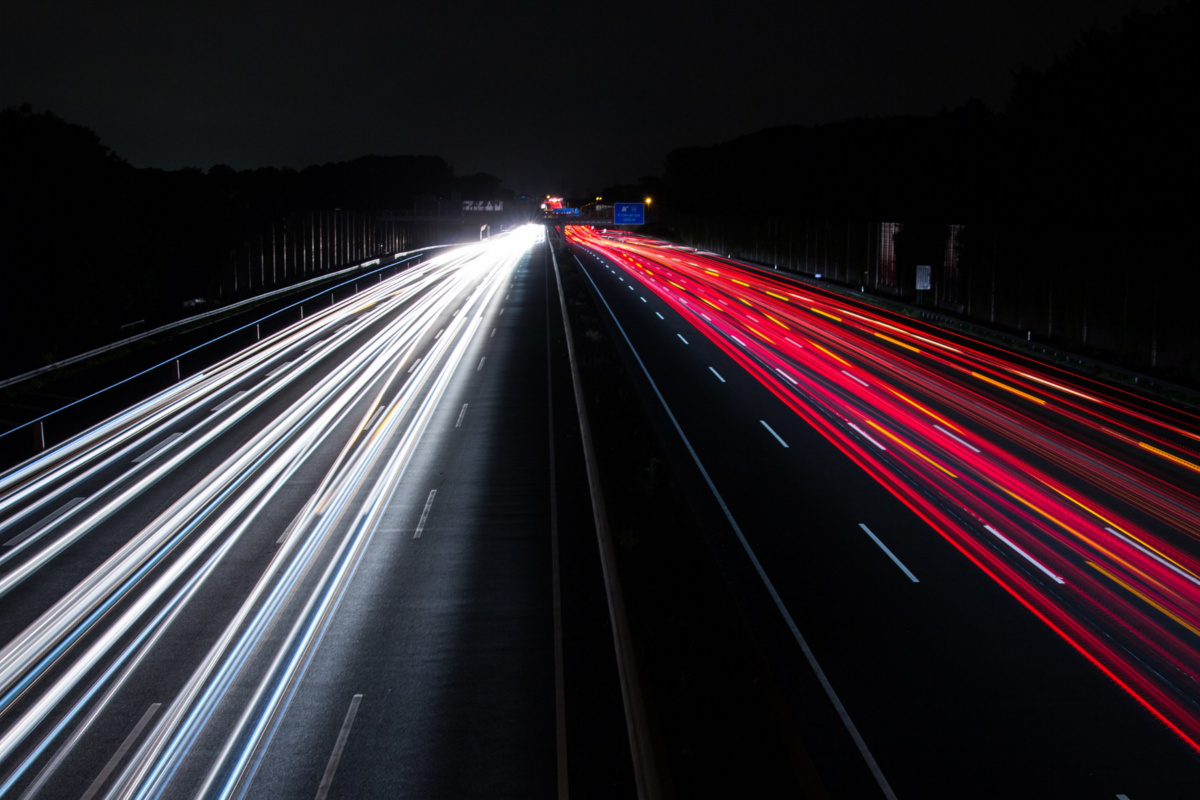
322	568
977	575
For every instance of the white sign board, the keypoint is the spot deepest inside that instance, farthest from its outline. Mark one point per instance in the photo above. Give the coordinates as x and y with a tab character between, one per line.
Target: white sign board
923	273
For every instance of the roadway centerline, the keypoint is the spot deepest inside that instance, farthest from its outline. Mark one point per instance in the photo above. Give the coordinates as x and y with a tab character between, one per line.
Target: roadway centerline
425	514
889	553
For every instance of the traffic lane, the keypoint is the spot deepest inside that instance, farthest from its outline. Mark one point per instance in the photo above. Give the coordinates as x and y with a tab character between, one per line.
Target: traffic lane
164	662
930	631
29	599
447	633
1129	609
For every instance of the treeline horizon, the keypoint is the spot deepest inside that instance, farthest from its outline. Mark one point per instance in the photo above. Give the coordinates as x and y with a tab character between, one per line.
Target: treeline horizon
1102	136
1105	133
90	243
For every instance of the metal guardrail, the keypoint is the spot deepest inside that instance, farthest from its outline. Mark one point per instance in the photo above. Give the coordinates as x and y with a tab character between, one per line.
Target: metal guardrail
225	310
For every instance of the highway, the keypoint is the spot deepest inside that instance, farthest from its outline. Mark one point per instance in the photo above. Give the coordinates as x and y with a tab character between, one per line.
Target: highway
978	573
321	568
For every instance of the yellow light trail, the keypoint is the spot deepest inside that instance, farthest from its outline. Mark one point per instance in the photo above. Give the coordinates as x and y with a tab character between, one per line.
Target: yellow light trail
816	310
896	342
1008	388
910	448
1143	597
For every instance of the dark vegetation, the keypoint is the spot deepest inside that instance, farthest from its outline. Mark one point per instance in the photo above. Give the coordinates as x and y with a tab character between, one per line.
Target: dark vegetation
1064	219
89	243
1105	133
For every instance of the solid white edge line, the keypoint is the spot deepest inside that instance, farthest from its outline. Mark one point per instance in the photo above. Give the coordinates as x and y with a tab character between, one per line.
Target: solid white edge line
771	430
424	514
844	715
1023	554
890	554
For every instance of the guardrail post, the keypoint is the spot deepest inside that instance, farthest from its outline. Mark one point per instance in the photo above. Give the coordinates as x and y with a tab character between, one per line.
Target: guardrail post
257	332
41	435
177	370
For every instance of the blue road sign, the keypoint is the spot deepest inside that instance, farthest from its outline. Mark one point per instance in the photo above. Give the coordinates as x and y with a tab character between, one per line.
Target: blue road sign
629	213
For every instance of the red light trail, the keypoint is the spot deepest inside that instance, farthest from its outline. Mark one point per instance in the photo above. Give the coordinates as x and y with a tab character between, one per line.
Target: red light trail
1077	498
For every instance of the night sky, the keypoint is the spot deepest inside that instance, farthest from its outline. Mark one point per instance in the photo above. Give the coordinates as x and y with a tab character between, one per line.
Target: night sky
551	96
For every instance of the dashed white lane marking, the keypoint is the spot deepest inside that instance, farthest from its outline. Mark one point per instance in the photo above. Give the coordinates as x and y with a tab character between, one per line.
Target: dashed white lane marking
867	436
338	748
890	554
44	523
414	366
680	335
660	316
461	414
424	514
281	368
966	444
771	430
856	378
714	372
481	363
230	401
121	751
1023	554
158	448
